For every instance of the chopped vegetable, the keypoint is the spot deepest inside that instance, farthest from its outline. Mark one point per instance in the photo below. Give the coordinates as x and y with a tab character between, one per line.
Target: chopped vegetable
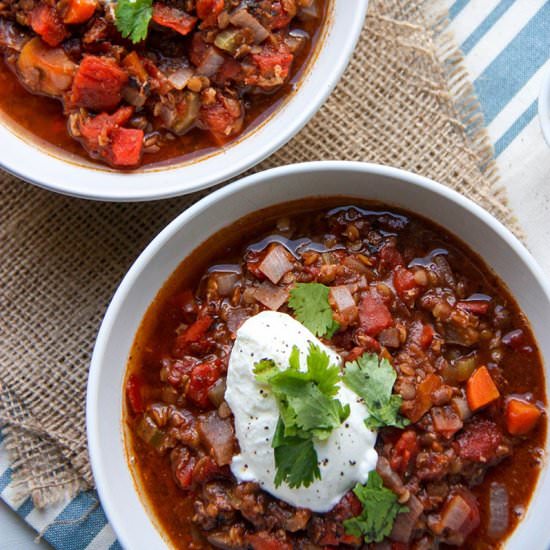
499	503
126	146
521	416
404	451
311	307
98	84
202	378
480	389
46	22
479	440
374	315
423	401
341	299
218	435
276	263
173	18
79	11
132	18
380	509
194	333
373	379
133	392
149	432
241	18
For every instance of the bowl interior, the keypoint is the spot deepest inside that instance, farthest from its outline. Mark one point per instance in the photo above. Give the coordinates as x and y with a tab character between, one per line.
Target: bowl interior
76	177
501	251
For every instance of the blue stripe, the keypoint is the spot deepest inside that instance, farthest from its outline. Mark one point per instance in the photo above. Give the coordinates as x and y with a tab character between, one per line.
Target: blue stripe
26	508
1	435
5	479
115	546
485	25
457	7
526	117
515	65
78	524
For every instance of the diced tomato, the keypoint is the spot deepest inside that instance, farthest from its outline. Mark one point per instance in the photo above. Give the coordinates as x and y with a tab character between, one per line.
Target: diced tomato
281	17
390	257
374	316
209	9
274	62
231	70
348	507
266	541
173	18
195	332
403	281
97	130
479	441
334	538
202	378
476	307
426	336
183	465
224	117
126	146
46	22
133	392
98	84
79	11
404	451
521	416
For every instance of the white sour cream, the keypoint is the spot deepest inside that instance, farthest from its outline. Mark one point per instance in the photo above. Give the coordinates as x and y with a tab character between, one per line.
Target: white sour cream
345	458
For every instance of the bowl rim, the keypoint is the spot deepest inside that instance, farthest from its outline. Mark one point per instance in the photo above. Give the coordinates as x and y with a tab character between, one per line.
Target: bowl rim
114	515
57	173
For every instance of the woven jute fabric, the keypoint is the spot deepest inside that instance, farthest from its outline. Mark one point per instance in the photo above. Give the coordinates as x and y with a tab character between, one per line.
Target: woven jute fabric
404	101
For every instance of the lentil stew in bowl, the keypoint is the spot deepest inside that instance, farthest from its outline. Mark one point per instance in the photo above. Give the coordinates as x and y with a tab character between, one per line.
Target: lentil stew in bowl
301	331
149	82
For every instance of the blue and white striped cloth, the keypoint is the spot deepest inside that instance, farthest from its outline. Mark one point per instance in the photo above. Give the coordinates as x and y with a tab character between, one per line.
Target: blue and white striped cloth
507	48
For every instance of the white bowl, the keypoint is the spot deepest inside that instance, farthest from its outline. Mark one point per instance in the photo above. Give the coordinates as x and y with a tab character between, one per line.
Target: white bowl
500	249
25	157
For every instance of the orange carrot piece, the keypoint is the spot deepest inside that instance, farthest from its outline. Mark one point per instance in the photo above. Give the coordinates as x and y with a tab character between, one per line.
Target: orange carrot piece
521	417
79	11
480	389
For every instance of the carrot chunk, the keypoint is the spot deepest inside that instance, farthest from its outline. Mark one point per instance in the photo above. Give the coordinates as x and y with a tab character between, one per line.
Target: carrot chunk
521	417
98	84
79	11
173	18
46	22
480	389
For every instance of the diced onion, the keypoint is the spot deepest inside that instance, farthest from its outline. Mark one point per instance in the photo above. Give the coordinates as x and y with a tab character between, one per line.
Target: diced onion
271	296
211	63
180	77
498	510
226	282
276	264
241	18
342	298
216	392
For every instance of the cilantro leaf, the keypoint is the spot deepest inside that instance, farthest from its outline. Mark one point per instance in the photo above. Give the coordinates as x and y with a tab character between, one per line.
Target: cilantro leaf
311	307
132	18
373	381
307	411
380	508
295	459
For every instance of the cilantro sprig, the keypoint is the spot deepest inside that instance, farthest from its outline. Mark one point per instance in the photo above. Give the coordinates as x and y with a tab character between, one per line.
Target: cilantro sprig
373	379
380	508
311	307
308	410
132	18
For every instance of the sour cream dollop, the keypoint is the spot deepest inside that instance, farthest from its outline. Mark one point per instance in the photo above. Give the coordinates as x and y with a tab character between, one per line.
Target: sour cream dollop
345	458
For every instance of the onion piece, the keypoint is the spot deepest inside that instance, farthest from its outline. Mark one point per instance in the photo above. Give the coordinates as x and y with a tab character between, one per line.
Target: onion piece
498	510
180	77
271	296
446	421
211	63
309	11
217	434
225	282
11	37
341	298
389	477
405	523
276	264
241	18
216	393
460	405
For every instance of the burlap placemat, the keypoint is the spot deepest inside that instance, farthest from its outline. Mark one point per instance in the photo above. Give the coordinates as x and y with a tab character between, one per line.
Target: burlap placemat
404	101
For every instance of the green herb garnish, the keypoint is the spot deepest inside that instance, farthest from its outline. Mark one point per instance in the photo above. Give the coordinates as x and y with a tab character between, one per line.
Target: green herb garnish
380	508
311	307
132	18
373	379
308	411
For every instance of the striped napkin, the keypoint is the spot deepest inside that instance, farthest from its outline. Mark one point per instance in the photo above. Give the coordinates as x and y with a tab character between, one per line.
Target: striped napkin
506	44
